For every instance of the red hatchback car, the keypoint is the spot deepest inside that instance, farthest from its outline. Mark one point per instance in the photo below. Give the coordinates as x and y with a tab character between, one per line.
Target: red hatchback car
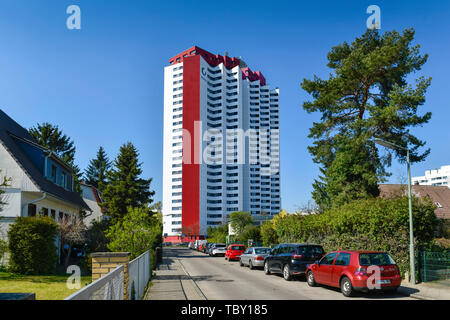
234	251
355	271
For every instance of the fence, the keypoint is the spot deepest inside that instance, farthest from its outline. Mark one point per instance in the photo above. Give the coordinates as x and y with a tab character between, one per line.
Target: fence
108	287
126	282
435	266
139	271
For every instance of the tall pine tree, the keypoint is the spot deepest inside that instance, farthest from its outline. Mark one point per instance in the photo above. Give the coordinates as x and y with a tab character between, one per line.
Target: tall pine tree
95	174
51	137
367	96
125	187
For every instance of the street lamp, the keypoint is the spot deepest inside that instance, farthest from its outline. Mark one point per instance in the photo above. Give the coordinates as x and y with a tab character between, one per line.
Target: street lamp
411	234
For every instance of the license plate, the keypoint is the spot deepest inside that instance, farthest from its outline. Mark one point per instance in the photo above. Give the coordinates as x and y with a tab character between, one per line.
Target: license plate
383	281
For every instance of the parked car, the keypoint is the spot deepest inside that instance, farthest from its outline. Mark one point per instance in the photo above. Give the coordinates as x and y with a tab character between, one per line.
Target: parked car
218	249
349	271
254	257
291	259
207	246
198	243
234	251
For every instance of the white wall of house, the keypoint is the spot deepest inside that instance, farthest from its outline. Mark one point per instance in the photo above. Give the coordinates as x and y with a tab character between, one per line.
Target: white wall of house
91	201
10	169
21	191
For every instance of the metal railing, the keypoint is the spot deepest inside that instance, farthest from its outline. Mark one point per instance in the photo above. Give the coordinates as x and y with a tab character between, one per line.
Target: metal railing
108	287
435	266
139	272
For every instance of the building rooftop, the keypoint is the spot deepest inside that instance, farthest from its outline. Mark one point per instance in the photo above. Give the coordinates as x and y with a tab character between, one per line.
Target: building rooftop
9	130
440	195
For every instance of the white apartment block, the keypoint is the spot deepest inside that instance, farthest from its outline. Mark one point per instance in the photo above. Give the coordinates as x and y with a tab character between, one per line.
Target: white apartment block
436	177
221	143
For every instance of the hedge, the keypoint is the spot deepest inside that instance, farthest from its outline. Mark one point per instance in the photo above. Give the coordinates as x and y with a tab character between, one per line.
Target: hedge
32	245
370	224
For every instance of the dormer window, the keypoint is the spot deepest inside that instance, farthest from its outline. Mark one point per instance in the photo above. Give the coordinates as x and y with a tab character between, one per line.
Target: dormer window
439	205
53	173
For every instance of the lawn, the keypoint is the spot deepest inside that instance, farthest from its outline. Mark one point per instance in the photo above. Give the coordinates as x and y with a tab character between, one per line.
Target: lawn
51	287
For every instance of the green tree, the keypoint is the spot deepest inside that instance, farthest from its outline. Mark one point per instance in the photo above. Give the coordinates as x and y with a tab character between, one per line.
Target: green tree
136	233
125	187
251	232
95	174
218	234
367	96
239	220
52	138
268	233
156	207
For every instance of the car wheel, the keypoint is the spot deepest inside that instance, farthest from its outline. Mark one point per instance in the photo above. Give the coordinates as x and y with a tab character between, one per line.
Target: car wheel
310	279
250	265
287	273
346	287
266	268
240	263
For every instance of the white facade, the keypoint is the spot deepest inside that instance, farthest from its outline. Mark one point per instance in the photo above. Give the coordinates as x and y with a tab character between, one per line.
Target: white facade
22	191
89	194
436	177
235	172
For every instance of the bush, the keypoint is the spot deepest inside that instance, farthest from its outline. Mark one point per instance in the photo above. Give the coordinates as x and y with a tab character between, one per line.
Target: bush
136	232
250	232
371	224
218	234
268	234
32	245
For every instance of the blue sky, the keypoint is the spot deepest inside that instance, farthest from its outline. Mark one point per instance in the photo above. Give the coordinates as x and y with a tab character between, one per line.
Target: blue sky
103	84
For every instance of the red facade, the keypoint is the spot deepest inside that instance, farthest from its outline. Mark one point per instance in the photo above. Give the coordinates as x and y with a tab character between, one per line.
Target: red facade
191	169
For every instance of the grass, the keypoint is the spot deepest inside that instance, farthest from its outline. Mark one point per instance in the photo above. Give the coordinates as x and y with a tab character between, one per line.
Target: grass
51	287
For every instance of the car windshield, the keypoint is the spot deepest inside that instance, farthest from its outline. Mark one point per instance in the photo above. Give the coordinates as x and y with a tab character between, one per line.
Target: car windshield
220	245
237	248
262	250
375	259
310	250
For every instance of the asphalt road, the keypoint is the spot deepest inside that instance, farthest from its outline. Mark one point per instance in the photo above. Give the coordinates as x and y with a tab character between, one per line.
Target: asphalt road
219	279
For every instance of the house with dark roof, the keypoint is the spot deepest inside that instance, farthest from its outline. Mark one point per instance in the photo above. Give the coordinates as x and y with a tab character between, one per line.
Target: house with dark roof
41	183
439	195
93	197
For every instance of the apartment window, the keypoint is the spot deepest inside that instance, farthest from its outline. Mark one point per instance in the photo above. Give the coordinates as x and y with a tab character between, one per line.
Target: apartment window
61	216
53	213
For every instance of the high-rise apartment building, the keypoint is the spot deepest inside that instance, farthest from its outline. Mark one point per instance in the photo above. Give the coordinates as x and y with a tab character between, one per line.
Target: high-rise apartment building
435	177
221	143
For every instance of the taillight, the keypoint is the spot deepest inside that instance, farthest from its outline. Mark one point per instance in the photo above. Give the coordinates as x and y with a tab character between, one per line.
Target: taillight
397	269
297	256
361	272
259	258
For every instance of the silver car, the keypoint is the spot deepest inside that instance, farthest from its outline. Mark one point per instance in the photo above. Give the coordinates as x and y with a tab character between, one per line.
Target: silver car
218	249
254	257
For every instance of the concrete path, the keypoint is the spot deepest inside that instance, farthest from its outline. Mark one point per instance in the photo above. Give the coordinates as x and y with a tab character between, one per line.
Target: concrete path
426	291
172	282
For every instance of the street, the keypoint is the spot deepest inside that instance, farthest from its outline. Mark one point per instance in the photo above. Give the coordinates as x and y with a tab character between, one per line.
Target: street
203	277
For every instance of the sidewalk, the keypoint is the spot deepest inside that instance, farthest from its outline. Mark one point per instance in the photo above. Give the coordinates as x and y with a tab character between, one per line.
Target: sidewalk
172	283
425	291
